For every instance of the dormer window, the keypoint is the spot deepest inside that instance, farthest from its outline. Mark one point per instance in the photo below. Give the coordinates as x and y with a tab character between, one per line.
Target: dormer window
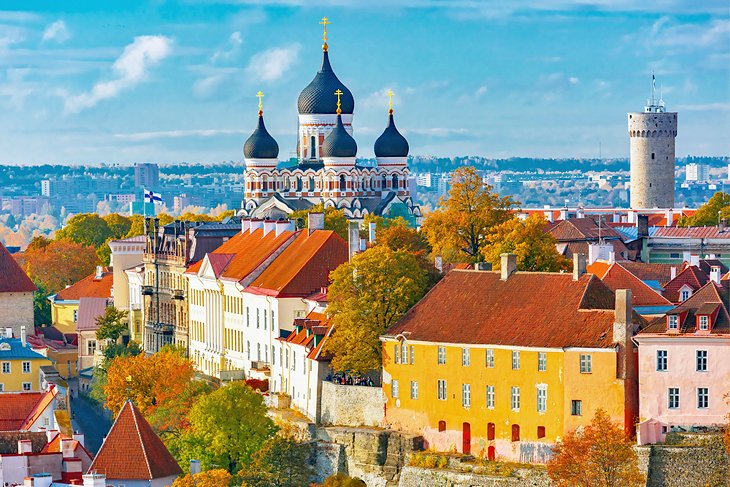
704	323
673	322
685	294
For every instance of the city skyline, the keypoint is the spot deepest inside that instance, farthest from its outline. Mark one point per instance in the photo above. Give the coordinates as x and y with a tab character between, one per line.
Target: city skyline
174	82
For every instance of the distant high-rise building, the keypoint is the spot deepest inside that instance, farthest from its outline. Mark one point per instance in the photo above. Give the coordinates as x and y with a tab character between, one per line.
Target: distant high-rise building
652	133
46	188
697	172
146	175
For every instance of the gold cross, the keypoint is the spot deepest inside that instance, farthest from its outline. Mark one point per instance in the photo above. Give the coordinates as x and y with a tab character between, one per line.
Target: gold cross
325	22
390	100
338	93
260	96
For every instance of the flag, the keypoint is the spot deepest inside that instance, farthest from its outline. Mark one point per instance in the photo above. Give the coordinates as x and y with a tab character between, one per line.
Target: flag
152	197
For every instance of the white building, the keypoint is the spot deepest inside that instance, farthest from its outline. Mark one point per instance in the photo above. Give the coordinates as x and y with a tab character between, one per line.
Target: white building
697	172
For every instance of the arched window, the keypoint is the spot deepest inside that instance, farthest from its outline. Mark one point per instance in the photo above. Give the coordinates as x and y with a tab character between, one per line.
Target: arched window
395	182
384	184
287	183
264	183
299	184
313	149
343	183
311	183
442	425
515	432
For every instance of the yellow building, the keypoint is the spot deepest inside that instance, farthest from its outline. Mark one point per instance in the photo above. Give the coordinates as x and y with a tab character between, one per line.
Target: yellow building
20	365
503	364
65	303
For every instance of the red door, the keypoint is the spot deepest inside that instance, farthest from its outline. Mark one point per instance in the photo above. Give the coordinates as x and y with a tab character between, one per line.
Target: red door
466	432
491	453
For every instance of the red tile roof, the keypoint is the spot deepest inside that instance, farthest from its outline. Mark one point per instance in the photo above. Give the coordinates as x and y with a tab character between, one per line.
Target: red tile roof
12	278
692	232
528	309
19	410
88	287
318	324
691	276
651	272
617	277
132	451
708	297
54	446
582	229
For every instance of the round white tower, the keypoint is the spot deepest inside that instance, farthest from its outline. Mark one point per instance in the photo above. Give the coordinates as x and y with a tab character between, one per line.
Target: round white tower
652	133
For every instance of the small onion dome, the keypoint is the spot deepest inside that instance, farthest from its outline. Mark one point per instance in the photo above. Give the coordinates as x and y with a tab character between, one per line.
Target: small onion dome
261	145
317	97
391	143
339	143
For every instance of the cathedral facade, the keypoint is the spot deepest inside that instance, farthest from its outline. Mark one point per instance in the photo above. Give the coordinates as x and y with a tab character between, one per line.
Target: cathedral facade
326	171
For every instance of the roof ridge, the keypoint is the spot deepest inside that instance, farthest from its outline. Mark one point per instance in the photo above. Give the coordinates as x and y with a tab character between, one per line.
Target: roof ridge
139	435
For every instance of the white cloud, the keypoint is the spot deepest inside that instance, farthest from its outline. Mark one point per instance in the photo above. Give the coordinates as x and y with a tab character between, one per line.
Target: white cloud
573	80
176	134
668	34
57	32
230	50
130	69
272	64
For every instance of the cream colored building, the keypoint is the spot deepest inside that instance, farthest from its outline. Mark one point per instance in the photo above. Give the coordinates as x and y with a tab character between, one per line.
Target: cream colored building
127	255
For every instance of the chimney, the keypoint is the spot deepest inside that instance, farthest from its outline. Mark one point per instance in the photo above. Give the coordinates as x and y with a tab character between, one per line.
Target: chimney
315	222
611	257
549	215
642	226
255	224
67	447
623	330
22	336
284	226
25	446
438	263
194	467
50	435
669	217
80	438
353	237
245	224
99	272
371	233
722	225
579	266
269	226
672	273
715	274
694	260
509	265
94	480
483	266
38	480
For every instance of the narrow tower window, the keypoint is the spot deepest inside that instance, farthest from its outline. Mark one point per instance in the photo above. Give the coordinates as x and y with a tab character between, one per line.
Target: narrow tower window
343	184
652	155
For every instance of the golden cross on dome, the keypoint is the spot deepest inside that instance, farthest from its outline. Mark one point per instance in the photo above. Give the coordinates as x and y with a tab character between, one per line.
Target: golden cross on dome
390	100
339	94
325	22
260	96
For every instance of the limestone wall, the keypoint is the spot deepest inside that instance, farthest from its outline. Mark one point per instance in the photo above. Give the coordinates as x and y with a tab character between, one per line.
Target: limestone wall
343	405
652	159
16	310
420	477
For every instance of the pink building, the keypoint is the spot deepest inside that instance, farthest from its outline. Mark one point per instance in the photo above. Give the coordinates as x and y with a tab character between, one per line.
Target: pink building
684	365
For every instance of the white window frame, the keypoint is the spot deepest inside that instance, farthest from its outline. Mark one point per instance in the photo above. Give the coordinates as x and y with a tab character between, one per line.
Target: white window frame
541	398
27	367
673	322
412	354
441	389
673	398
396	353
703	397
701	360
489	358
515	398
541	361
515	360
27	386
394	389
662	360
490	397
685	294
466	395
586	363
7	368
704	322
465	357
414	389
441	355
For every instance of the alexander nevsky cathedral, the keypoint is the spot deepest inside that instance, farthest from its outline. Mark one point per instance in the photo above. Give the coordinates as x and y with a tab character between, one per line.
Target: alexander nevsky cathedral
325	170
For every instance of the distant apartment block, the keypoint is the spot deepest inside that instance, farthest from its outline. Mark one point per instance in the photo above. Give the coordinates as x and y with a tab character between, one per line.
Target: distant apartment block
697	172
26	206
146	175
123	198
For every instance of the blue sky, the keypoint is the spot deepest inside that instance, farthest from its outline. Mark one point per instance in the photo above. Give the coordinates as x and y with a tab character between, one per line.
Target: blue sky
123	81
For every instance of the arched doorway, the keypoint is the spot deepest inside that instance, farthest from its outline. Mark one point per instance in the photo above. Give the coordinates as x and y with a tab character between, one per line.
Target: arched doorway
466	438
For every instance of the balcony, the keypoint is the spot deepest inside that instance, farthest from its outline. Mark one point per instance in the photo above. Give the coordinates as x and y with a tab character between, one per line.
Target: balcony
177	294
165	328
148	290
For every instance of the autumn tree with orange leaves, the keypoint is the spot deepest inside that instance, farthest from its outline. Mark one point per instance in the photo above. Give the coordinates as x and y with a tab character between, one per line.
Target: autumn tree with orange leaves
210	478
601	455
53	265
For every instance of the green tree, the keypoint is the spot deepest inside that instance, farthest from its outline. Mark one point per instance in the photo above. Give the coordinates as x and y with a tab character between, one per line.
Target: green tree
458	230
226	428
118	225
281	462
41	306
86	229
334	219
368	295
534	247
112	324
136	226
709	214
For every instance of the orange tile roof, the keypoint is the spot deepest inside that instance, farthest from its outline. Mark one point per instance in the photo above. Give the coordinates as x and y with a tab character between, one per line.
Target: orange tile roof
54	446
528	309
89	287
13	278
19	410
709	294
617	277
599	268
132	451
319	324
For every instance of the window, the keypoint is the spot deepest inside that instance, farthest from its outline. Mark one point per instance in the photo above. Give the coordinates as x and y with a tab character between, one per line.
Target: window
411	355
515	398
394	389
490	397
585	363
26	367
286	358
265	315
258	317
414	389
465	357
490	358
6	367
248	350
293	361
273	355
27	386
248	316
540	432
2	387
442	425
673	322
686	293
258	351
576	407
441	390
91	347
442	355
76	316
403	353
704	322
673	394
515	360
466	395
541	361
661	360
703	397
396	353
541	398
515	432
701	360
273	325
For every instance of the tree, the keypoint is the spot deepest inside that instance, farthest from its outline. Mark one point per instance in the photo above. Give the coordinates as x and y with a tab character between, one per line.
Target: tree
535	248
112	324
210	478
136	226
334	219
397	235
59	264
599	456
709	214
119	225
38	243
85	228
342	480
367	296
227	426
41	306
458	230
281	462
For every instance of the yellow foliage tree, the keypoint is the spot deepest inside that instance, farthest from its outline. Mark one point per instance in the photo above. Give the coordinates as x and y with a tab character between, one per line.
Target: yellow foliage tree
334	219
209	478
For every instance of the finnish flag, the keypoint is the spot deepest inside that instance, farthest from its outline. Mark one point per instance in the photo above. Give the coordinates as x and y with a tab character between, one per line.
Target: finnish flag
152	197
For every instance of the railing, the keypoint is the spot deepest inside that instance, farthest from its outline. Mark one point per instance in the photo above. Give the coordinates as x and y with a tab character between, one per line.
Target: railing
148	290
177	294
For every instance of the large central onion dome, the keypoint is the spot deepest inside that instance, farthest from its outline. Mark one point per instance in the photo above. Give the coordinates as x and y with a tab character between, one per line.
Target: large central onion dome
391	143
261	145
339	143
317	98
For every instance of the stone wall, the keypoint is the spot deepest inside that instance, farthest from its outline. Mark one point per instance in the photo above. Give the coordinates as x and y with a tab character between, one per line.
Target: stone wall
16	310
352	405
420	477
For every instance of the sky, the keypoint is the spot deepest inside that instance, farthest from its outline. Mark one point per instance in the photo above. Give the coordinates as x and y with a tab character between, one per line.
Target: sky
172	82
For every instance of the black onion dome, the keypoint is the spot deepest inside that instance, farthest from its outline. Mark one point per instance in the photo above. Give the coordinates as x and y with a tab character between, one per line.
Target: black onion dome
261	145
319	95
391	143
339	143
